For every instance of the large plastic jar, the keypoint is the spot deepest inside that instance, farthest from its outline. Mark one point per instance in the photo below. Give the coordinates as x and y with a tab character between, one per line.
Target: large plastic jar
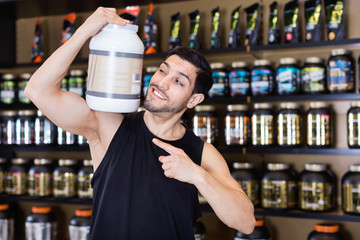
115	69
261	232
16	177
262	125
289	124
40	178
84	180
205	123
79	226
6	222
353	125
41	224
350	184
341	71
288	76
64	179
237	125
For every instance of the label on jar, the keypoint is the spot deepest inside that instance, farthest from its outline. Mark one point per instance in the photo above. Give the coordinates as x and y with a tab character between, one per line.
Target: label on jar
24	131
76	85
340	75
251	188
40	184
40	230
22	96
220	83
353	129
239	82
65	137
7	229
84	186
2	181
236	130
278	193
147	79
16	183
44	131
205	128
115	75
351	198
288	129
318	129
200	236
64	184
313	79
261	81
262	129
7	92
315	196
79	232
287	79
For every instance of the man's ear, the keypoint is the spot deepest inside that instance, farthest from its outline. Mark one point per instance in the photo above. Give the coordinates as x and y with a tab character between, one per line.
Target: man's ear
195	99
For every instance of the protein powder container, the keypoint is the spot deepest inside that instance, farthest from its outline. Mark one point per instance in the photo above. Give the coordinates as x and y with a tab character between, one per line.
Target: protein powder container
205	123
8	128
3	174
262	78
45	130
326	231
262	125
246	175
25	129
353	125
278	187
23	81
199	230
84	180
220	80
313	76
65	137
261	232
351	190
8	88
288	76
115	69
289	123
41	224
17	176
77	82
149	72
40	178
239	79
64	179
79	226
6	222
341	71
319	125
237	125
316	188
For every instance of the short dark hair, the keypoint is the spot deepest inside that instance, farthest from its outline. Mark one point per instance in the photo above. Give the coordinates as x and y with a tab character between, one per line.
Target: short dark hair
204	80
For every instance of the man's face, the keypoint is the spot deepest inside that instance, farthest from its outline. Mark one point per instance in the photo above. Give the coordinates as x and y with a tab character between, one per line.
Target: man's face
171	86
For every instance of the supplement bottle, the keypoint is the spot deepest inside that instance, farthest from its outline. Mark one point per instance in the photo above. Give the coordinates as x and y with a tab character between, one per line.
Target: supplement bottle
289	124
84	180
6	222
199	230
41	224
8	128
25	127
288	76
351	190
313	76
262	78
261	232
246	175
3	174
239	79
278	187
340	71
147	77
17	176
64	179
40	178
220	80
23	80
319	125
45	130
262	125
205	123
115	69
326	231
353	125
79	226
237	125
316	188
8	88
77	82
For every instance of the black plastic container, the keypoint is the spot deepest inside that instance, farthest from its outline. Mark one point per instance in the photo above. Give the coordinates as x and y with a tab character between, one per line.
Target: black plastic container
288	77
350	190
17	176
205	123
237	125
326	232
6	222
85	174
64	184
79	226
40	178
313	76
261	232
341	72
41	222
289	124
262	125
353	125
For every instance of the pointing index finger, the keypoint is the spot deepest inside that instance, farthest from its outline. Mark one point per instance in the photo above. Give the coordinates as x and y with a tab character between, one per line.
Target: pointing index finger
167	147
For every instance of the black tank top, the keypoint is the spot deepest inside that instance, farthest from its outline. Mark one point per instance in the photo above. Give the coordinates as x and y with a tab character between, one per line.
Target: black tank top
133	199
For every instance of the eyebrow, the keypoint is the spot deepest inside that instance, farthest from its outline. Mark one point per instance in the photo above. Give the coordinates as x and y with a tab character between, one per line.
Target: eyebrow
178	72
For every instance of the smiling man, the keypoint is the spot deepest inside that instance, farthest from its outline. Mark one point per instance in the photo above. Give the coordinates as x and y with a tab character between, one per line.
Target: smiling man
148	166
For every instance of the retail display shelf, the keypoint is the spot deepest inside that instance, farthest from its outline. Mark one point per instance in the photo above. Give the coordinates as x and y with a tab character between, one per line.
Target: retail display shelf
6	149
278	150
306	97
76	201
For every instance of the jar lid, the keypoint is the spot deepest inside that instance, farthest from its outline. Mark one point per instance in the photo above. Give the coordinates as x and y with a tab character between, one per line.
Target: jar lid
263	106
131	27
237	107
319	105
289	105
8	76
315	167
314	60
27	112
77	73
3	160
4	207
152	69
217	65
25	76
355	104
259	223
41	209
19	161
8	113
240	64
354	168
327	228
83	212
67	162
262	62
243	165
339	52
288	60
88	163
42	161
278	166
204	108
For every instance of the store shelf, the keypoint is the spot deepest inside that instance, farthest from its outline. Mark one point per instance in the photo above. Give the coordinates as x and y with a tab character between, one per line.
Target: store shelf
306	97
278	150
53	200
52	148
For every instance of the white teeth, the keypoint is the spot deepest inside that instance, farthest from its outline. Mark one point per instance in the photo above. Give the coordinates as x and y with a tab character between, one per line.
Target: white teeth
158	94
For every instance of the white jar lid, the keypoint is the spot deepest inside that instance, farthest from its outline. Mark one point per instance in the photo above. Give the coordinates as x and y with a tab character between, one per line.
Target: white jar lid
131	27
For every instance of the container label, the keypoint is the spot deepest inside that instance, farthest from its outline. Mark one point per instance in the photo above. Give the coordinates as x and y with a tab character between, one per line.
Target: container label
340	75
205	128
261	81
351	198
288	129
315	196
220	84
313	79
16	183
64	185
79	233
43	230
7	229
318	129
199	236
40	184
84	186
239	82
251	188
262	129
278	193
353	129
237	130
288	80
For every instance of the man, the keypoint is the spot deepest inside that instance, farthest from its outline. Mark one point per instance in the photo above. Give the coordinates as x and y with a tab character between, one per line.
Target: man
148	166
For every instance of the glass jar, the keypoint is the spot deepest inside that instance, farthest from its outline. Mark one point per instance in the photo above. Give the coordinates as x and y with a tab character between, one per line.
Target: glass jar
85	175
64	182
341	71
16	177
262	78
205	123
289	124
313	76
77	82
239	79
220	80
8	88
262	125
237	125
351	190
353	125
25	130
40	178
8	127
45	130
288	76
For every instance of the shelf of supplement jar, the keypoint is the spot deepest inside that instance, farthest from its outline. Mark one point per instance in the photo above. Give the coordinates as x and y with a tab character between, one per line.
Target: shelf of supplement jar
227	100
24	198
17	106
4	149
307	97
